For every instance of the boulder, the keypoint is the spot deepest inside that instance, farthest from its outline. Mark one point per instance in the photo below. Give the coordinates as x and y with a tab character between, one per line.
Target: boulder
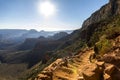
107	77
44	76
109	69
100	63
91	72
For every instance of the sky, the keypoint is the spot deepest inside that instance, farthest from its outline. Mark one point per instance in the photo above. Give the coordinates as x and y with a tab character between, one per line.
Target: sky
25	14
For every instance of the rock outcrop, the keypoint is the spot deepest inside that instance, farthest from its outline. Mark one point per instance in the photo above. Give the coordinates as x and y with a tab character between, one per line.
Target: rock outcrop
108	10
92	72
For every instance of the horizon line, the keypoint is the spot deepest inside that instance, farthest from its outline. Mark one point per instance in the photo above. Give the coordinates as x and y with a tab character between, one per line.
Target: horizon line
36	29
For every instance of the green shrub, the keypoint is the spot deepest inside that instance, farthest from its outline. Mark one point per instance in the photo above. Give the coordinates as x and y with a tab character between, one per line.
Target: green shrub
103	46
112	32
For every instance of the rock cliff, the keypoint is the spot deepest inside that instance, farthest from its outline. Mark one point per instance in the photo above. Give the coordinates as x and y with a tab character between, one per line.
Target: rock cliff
108	10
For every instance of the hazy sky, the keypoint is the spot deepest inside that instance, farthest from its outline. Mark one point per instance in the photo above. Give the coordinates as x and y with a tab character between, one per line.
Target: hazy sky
24	14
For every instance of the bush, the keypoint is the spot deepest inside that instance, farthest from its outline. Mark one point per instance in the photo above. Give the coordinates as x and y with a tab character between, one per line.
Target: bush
113	32
103	46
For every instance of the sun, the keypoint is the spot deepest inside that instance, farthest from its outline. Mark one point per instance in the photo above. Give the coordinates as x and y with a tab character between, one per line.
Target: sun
47	9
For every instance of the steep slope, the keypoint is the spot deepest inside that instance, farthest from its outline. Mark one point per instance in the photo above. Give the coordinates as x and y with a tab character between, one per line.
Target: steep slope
101	31
86	64
108	10
92	23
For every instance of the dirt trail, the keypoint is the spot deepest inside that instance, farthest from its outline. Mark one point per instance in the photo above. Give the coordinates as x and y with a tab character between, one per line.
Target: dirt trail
75	66
58	70
84	60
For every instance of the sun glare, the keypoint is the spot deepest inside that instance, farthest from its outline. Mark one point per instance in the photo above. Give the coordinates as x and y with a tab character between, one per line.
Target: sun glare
46	8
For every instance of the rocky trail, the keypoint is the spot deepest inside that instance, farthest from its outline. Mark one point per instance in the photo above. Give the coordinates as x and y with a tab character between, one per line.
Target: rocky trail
66	70
81	61
80	66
